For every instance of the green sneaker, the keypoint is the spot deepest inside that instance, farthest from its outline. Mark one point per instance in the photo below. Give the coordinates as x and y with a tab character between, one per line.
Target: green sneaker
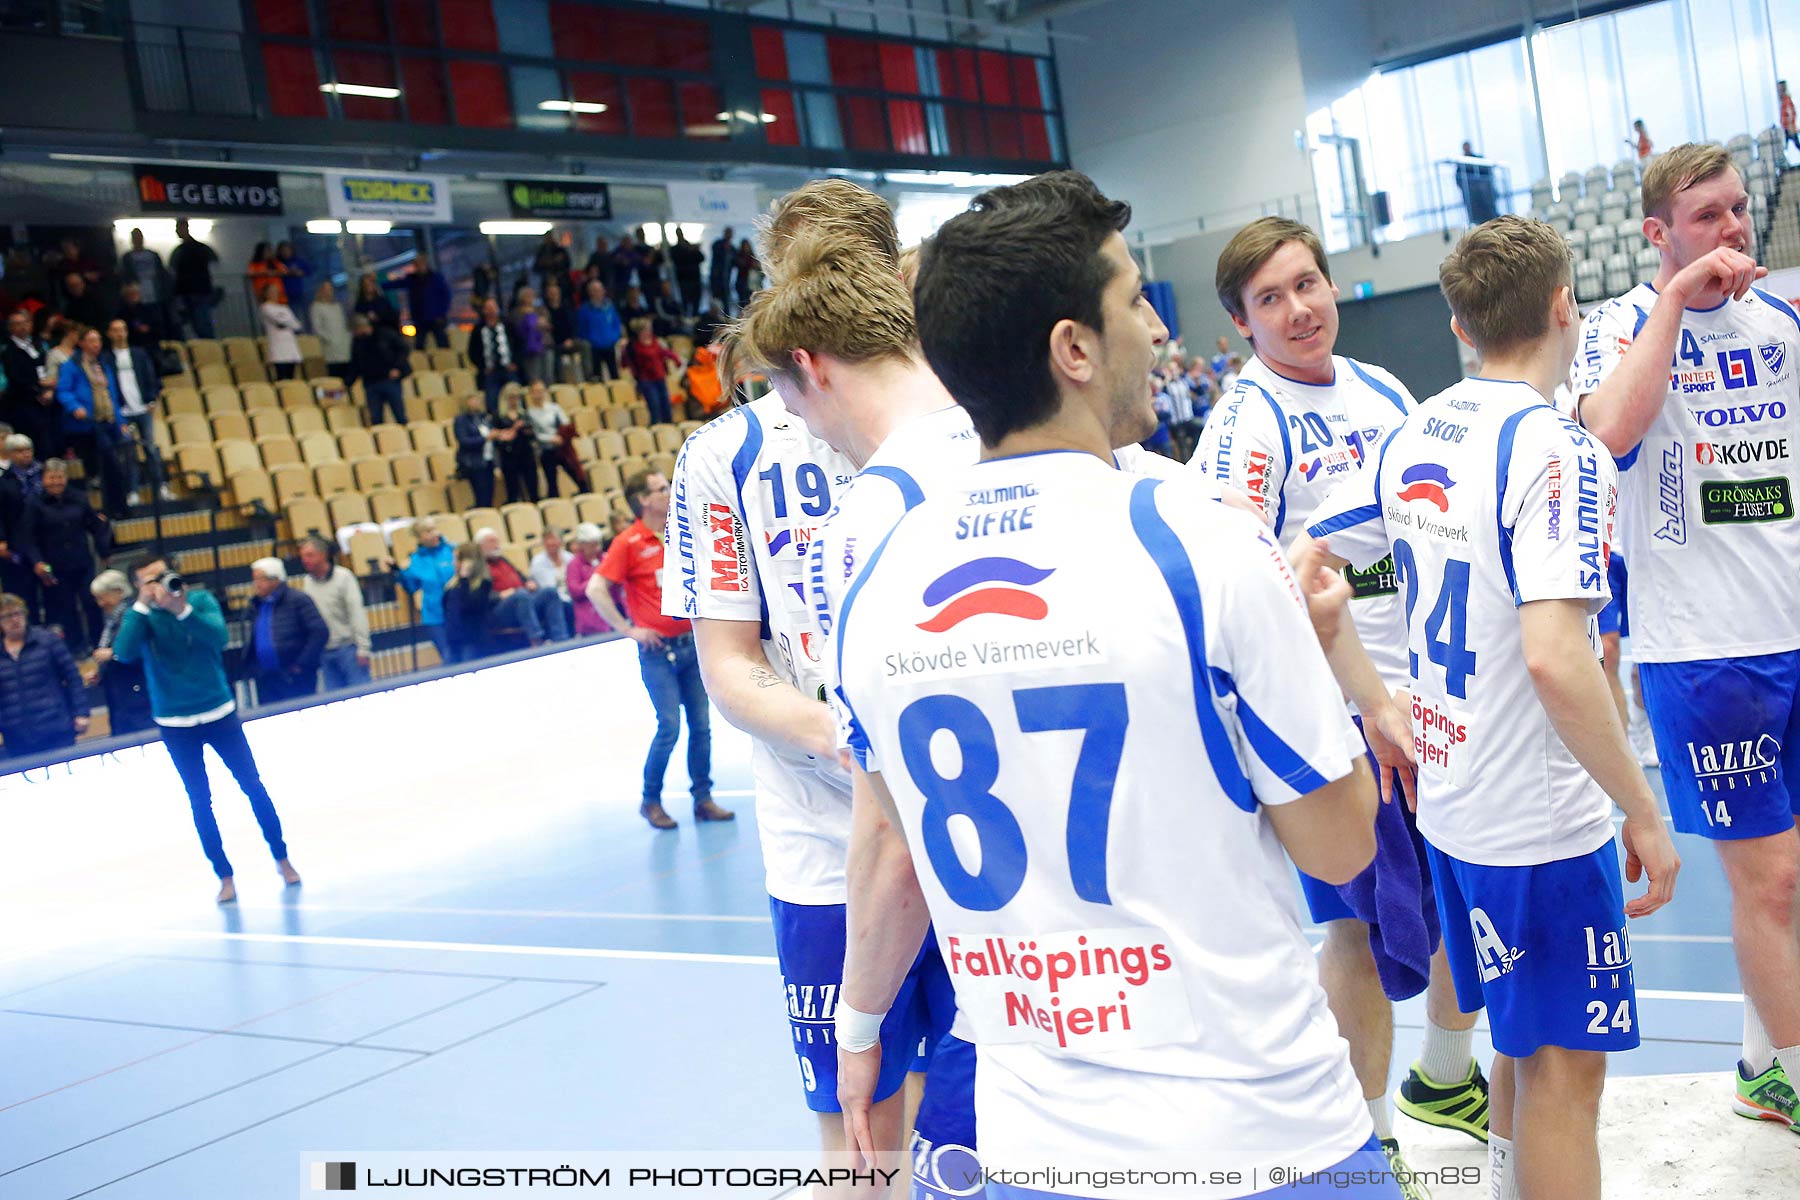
1410	1187
1768	1097
1462	1106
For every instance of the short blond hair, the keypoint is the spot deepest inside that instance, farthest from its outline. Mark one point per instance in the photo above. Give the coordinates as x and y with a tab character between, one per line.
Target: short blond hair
836	206
1500	279
1254	245
1676	170
838	296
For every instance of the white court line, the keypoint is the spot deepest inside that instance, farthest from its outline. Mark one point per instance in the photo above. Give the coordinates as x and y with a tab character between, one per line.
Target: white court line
1694	939
293	939
1715	997
545	913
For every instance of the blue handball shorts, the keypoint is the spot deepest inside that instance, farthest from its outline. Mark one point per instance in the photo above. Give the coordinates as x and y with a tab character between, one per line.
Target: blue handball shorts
944	1162
1728	733
1544	948
809	945
1613	618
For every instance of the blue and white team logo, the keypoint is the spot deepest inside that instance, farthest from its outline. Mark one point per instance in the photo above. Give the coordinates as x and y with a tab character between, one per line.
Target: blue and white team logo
1496	957
1774	357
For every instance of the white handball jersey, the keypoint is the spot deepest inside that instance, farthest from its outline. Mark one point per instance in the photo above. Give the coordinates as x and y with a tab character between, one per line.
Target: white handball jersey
1487	498
909	465
1080	745
1708	495
750	489
1286	444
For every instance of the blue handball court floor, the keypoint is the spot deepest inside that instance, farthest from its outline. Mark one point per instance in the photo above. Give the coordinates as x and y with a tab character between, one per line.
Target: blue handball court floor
492	952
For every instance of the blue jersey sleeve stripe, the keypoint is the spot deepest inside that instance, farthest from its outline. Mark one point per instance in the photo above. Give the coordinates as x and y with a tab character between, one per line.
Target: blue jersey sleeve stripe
1377	385
1779	305
1507	432
1638	325
1287	455
1172	562
1629	460
911	494
742	463
859	741
1344	520
1276	754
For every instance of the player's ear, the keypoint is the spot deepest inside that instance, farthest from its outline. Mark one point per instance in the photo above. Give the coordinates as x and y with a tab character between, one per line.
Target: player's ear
1072	351
1457	329
1656	233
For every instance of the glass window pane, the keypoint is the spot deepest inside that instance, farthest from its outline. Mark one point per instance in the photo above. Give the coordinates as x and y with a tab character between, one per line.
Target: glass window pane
855	62
652	103
355	21
1037	136
415	23
928	71
532	87
684	45
806	57
525	27
996	78
771	52
1659	81
899	68
821	117
907	119
469	25
292	75
784	130
1005	139
939	128
588	87
370	69
422	79
1577	72
1508	119
861	119
700	108
284	18
633	39
1026	92
480	93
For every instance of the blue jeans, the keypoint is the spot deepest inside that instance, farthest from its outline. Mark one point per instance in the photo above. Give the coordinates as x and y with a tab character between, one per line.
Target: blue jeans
672	677
341	668
540	614
440	637
187	750
656	397
384	393
198	312
144	423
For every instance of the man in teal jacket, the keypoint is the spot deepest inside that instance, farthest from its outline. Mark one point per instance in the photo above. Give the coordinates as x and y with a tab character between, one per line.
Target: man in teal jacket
179	637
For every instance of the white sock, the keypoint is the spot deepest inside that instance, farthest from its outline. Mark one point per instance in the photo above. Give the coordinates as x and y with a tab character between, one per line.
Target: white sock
1759	1051
1789	1058
1383	1118
1502	1183
1445	1058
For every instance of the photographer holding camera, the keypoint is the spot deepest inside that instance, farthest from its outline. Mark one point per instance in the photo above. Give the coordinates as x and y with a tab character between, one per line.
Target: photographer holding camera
180	638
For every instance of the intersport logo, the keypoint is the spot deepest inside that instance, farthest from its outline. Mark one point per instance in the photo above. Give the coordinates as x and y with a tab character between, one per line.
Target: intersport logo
1746	414
1733	453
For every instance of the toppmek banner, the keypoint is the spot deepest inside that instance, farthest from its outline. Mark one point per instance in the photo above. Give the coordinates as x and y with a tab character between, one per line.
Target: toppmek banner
713	203
403	199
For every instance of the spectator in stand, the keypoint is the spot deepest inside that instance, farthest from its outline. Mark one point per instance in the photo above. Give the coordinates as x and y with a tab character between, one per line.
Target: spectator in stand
81	301
136	387
143	321
1640	142
650	360
327	318
43	703
701	382
373	303
20	477
122	683
144	267
748	272
179	636
520	602
264	268
428	299
30	384
191	264
706	329
64	539
494	353
549	571
665	312
532	331
623	265
724	254
666	658
685	258
584	563
551	430
287	636
475	453
551	260
484	281
1233	365
633	309
426	574
597	324
73	257
601	258
380	359
334	590
1790	119
566	360
650	266
93	424
517	450
1221	360
294	273
281	329
469	606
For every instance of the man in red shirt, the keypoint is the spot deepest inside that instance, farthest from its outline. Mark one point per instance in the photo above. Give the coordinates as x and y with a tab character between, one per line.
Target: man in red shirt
538	612
666	657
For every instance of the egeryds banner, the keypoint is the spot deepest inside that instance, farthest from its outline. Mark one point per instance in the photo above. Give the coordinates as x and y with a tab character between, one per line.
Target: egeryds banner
404	199
559	200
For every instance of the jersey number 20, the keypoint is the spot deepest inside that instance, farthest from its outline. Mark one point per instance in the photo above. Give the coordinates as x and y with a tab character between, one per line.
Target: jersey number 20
1098	709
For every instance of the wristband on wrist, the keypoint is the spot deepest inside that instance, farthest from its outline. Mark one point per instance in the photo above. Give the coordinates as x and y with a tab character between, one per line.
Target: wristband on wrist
857	1031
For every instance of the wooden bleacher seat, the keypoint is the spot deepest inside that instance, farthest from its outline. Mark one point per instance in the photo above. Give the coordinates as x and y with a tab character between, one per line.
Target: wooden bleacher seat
392	439
278	451
355	443
306	420
523	521
222	398
290	481
348	508
408	469
388	504
333	479
317	448
558	513
371	473
306	516
257	396
427	435
427	498
339	417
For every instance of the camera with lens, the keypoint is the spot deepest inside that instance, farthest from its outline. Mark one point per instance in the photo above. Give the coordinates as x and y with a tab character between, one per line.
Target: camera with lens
173	583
